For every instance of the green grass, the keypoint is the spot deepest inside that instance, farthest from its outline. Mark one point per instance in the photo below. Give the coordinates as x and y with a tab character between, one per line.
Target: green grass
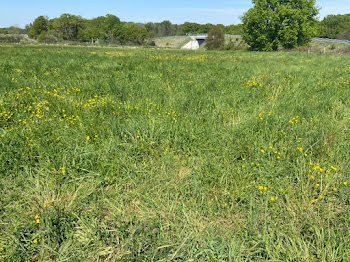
160	155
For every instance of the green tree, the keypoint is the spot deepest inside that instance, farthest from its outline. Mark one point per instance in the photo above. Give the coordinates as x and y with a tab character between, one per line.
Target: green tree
334	26
67	26
216	38
274	23
204	29
108	26
130	33
234	29
39	26
190	28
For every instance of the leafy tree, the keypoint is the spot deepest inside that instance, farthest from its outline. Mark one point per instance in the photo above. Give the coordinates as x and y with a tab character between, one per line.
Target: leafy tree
67	26
190	28
130	33
274	23
216	38
92	29
39	25
204	29
234	29
334	26
108	25
166	27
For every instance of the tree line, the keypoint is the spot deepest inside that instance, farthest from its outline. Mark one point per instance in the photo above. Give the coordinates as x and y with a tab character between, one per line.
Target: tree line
270	24
335	26
111	29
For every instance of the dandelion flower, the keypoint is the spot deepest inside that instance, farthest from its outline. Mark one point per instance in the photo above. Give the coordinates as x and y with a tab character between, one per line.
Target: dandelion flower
35	241
334	168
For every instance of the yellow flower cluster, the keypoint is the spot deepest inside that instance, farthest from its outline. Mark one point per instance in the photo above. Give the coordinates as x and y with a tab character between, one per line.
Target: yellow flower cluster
6	115
253	83
262	115
294	120
263	188
117	54
54	93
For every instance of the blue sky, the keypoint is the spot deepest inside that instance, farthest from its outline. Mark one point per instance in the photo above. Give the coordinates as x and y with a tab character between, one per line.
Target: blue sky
22	12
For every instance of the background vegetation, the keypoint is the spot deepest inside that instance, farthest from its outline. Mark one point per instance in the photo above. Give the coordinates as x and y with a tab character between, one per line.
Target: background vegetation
335	26
271	24
158	155
110	30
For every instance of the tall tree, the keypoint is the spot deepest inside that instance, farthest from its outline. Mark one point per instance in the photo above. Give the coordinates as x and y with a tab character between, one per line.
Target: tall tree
67	26
274	23
110	22
39	26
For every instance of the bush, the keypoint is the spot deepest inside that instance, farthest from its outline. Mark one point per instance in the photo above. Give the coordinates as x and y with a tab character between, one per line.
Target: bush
235	44
216	38
10	39
344	35
47	38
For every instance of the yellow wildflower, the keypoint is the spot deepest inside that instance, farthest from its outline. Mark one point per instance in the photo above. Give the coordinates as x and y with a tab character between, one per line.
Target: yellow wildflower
334	168
35	241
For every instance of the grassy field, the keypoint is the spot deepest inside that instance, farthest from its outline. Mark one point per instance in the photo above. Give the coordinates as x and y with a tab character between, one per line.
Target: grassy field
162	155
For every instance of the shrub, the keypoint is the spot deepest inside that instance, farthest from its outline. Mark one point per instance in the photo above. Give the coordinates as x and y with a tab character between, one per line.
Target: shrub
216	38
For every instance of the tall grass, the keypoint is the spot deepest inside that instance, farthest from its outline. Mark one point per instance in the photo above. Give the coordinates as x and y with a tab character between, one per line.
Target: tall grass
159	155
